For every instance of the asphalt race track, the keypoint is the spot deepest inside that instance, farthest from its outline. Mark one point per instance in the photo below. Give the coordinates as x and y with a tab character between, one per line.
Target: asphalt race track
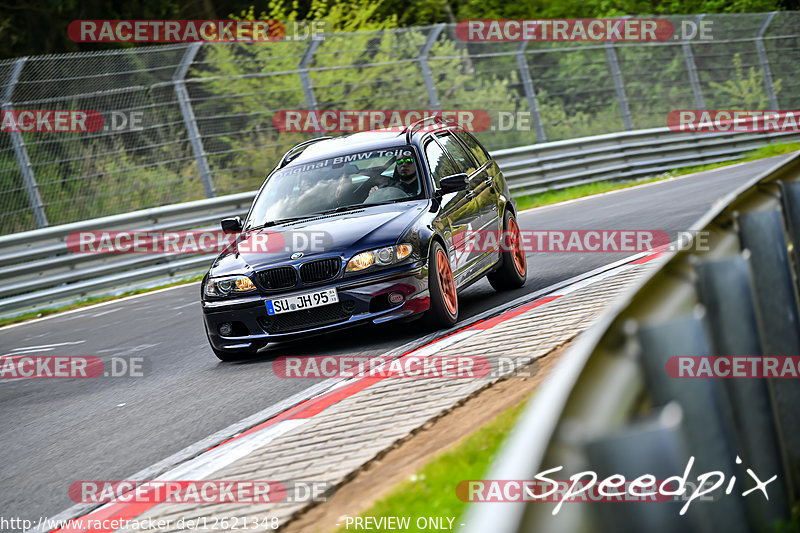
61	431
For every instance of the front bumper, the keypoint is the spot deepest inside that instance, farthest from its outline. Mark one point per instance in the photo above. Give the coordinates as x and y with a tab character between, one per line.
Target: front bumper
361	300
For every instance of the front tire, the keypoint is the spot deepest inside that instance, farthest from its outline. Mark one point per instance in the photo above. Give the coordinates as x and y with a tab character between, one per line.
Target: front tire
442	287
514	268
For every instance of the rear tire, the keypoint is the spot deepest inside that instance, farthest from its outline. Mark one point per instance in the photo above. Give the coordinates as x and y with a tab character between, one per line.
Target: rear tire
441	285
514	268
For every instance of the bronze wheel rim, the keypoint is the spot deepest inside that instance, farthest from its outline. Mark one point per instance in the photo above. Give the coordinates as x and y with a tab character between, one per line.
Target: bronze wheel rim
516	247
446	284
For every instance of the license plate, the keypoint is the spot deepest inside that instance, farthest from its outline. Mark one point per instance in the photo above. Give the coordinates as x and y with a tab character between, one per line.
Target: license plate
302	301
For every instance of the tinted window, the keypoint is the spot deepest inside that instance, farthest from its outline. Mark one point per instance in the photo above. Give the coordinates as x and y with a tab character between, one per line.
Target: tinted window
441	166
348	179
474	147
457	152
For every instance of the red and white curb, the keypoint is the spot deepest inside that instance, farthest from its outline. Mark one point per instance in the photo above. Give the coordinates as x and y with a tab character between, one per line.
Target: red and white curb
257	436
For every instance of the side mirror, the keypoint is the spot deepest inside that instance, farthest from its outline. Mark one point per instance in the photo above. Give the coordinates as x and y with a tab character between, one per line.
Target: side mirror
454	183
231	225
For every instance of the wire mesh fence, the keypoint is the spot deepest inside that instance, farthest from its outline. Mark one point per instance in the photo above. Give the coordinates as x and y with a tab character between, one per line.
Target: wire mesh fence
188	121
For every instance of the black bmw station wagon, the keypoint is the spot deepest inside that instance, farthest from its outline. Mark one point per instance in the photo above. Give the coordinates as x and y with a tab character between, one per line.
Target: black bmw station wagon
391	209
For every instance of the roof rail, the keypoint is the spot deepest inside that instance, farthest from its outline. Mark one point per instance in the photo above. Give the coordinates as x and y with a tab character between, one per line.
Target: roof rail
409	131
297	150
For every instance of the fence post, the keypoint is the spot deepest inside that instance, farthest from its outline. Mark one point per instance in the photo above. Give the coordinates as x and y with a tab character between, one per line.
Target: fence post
765	70
616	75
24	162
530	94
433	97
188	117
305	79
691	68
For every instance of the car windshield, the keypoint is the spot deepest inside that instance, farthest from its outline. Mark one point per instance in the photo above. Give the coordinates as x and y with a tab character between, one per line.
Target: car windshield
343	182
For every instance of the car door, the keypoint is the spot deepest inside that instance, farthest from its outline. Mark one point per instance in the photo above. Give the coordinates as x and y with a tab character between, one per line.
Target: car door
459	210
484	195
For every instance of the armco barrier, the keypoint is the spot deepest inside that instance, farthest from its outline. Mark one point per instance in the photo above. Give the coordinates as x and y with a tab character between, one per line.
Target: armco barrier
37	270
610	405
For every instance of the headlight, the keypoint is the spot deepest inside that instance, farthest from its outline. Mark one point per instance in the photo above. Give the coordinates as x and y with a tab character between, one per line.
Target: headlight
380	257
226	286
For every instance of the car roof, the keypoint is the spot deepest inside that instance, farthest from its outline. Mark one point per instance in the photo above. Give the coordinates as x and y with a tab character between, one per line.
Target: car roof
356	142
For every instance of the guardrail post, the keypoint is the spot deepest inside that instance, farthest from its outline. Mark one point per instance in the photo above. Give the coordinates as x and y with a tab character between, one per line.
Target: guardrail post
707	430
762	58
691	68
762	233
305	79
530	94
629	452
790	201
724	289
24	162
427	75
619	86
178	80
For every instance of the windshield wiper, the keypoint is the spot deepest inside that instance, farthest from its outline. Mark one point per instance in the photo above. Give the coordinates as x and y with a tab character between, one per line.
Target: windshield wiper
353	207
277	221
340	209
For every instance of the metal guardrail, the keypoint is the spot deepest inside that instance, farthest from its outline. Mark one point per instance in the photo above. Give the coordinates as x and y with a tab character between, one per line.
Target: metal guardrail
611	407
624	155
37	270
207	114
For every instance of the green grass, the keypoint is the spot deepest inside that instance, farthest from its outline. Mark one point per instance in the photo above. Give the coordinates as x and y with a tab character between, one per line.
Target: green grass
589	189
90	301
431	492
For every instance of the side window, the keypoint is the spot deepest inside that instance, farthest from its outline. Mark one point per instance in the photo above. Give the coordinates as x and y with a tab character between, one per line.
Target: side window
474	147
457	152
441	166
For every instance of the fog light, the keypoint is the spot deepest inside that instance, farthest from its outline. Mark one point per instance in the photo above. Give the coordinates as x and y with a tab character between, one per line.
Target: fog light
396	298
225	329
